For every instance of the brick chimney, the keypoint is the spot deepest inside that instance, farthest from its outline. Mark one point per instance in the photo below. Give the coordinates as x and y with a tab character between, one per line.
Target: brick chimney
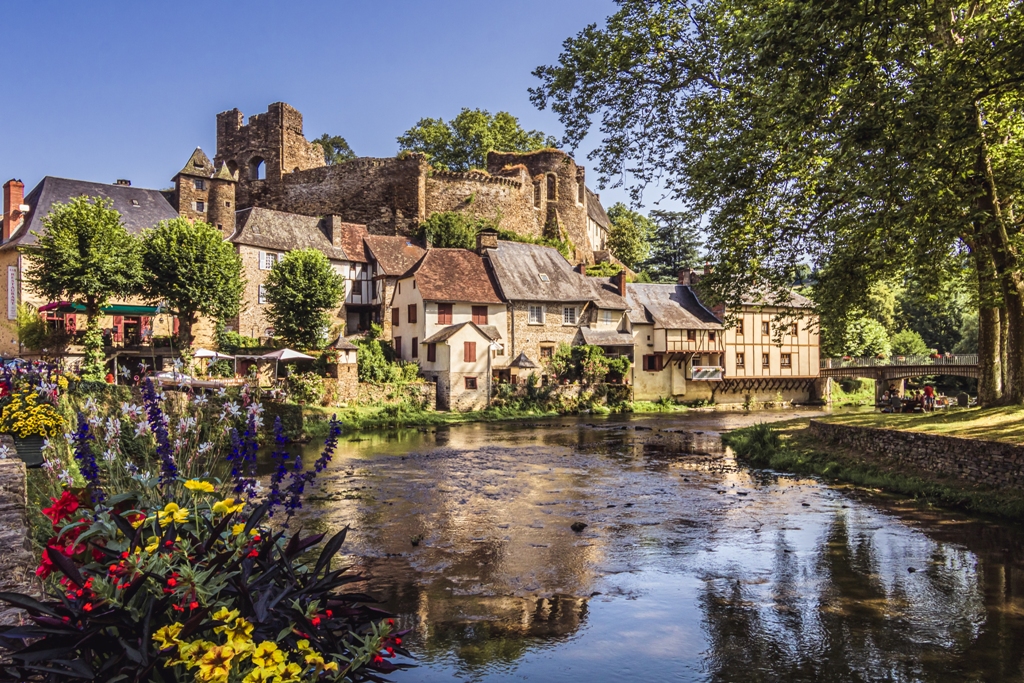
707	268
688	277
333	228
620	282
719	311
486	239
14	196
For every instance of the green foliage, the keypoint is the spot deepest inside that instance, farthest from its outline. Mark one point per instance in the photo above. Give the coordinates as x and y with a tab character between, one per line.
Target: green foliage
585	363
85	255
192	268
630	236
305	387
376	364
564	247
453	230
675	245
462	144
336	149
93	366
935	306
866	337
233	342
968	335
604	269
909	343
32	330
756	444
301	289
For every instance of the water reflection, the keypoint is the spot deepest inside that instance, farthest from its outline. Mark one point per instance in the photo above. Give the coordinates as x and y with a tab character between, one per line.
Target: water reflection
689	568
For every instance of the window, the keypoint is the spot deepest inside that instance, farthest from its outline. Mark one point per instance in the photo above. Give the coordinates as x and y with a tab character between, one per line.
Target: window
199	184
261	296
787	360
764	360
394	316
581	188
470	382
711	335
536	195
480	315
740	360
200	207
606	317
398	347
795	329
412	313
536	315
267	260
444	314
469	352
766	327
739	326
257	169
691	335
415	347
652	363
357	288
569	315
431	353
547	351
552	187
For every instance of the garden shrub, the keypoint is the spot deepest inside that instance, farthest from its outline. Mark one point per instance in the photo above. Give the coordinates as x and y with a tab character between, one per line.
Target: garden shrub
305	387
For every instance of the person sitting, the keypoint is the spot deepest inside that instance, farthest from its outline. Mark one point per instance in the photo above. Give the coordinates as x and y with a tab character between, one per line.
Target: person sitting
896	402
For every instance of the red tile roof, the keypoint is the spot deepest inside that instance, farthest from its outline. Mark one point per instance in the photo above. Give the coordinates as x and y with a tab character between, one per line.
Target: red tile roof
352	235
455	275
394	255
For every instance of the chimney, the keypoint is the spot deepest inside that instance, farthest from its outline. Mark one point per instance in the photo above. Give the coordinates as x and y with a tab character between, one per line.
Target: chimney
580	268
14	195
620	282
122	181
684	276
486	239
719	311
707	268
333	228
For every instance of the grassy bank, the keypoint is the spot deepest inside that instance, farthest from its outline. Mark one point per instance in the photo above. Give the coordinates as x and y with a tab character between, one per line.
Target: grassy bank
1004	424
789	447
364	418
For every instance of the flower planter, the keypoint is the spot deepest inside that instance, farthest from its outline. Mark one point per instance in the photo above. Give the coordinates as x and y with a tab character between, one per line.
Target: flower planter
30	449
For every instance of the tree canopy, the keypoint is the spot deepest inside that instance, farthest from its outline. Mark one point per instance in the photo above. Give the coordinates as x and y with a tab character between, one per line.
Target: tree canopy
630	236
864	137
301	288
336	149
675	245
85	255
192	268
462	143
453	230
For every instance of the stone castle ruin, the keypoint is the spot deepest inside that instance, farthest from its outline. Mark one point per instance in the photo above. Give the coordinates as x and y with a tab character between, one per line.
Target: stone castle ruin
535	194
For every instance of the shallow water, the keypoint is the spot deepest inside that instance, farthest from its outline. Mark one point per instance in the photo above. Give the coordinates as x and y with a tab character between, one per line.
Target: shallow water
689	568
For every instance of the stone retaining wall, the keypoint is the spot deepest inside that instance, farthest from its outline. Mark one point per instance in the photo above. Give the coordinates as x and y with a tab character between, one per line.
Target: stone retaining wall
16	560
989	463
424	393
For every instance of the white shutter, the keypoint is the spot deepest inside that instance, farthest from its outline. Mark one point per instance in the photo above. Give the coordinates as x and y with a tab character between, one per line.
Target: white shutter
263	260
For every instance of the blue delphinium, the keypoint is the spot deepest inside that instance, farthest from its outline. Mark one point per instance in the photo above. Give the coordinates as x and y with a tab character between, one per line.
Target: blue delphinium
158	425
87	459
280	457
243	458
299	479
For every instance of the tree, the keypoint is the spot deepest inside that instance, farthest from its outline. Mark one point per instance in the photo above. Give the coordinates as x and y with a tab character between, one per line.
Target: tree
675	245
85	256
630	237
862	137
866	337
336	149
452	230
194	270
301	288
463	143
909	343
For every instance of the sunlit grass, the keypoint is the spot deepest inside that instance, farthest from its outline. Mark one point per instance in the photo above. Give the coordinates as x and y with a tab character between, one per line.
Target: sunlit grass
1004	424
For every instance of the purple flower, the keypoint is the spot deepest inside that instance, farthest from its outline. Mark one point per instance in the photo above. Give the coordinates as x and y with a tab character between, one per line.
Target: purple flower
299	479
158	425
87	459
280	457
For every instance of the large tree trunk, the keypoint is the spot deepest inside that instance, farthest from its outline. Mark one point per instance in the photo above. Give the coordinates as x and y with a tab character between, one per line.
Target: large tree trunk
990	378
1013	368
185	337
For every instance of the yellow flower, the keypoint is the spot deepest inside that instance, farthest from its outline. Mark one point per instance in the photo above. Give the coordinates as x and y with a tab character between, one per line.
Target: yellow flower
172	513
168	635
303	646
215	665
227	506
239	634
196	485
290	673
268	655
188	653
139	521
225	615
331	666
261	676
237	528
153	544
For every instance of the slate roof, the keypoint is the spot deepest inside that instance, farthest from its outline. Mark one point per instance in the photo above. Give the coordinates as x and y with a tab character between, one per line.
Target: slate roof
343	344
596	212
394	255
530	272
448	332
152	207
522	361
607	293
455	275
198	165
606	337
282	231
674	307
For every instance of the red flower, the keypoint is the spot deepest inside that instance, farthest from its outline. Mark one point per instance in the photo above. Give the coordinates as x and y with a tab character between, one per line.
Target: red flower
62	508
315	621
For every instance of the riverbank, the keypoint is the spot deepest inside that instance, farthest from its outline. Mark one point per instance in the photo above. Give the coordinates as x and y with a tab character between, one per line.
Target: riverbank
790	446
1004	424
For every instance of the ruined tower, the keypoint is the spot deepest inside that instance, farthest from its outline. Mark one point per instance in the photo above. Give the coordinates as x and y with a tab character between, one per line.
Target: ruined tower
222	200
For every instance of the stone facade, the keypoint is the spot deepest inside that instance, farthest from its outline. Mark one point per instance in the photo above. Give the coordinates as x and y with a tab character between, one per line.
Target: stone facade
972	461
16	559
539	340
421	392
536	194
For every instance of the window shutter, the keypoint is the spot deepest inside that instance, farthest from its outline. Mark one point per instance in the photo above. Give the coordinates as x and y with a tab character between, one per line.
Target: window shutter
70	323
177	326
444	314
398	347
117	334
469	352
263	260
431	352
394	316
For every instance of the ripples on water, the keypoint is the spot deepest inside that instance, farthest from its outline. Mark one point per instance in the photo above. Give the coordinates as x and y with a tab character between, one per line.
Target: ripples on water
689	568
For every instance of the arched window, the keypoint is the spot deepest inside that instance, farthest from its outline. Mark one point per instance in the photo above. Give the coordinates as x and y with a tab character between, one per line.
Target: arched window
552	187
536	195
257	169
582	191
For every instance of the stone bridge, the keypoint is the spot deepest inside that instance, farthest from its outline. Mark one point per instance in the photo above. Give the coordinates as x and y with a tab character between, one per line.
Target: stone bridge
895	369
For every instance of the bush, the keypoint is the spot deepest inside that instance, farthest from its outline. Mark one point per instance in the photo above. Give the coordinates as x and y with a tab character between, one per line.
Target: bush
757	444
909	343
584	363
305	387
453	230
233	342
604	269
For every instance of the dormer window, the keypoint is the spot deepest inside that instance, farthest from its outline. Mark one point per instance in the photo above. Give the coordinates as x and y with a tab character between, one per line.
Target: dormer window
544	278
135	202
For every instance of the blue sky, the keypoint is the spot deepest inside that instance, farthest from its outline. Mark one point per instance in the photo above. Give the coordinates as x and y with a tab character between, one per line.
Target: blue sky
127	89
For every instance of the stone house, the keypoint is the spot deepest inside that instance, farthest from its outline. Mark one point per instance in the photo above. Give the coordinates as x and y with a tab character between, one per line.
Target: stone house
536	194
128	325
549	303
203	193
447	316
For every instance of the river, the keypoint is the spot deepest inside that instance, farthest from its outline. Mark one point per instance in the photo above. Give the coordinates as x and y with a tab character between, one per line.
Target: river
689	568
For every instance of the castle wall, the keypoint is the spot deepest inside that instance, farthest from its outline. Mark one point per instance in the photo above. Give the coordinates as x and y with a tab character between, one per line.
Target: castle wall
507	201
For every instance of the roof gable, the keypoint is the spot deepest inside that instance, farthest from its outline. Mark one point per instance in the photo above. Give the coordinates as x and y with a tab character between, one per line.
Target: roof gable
394	255
282	231
454	275
674	307
531	272
199	165
488	332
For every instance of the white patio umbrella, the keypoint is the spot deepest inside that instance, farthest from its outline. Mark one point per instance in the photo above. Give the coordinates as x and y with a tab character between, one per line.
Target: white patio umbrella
214	356
284	355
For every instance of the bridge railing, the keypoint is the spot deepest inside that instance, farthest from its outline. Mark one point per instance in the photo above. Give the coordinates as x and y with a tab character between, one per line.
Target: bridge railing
874	362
